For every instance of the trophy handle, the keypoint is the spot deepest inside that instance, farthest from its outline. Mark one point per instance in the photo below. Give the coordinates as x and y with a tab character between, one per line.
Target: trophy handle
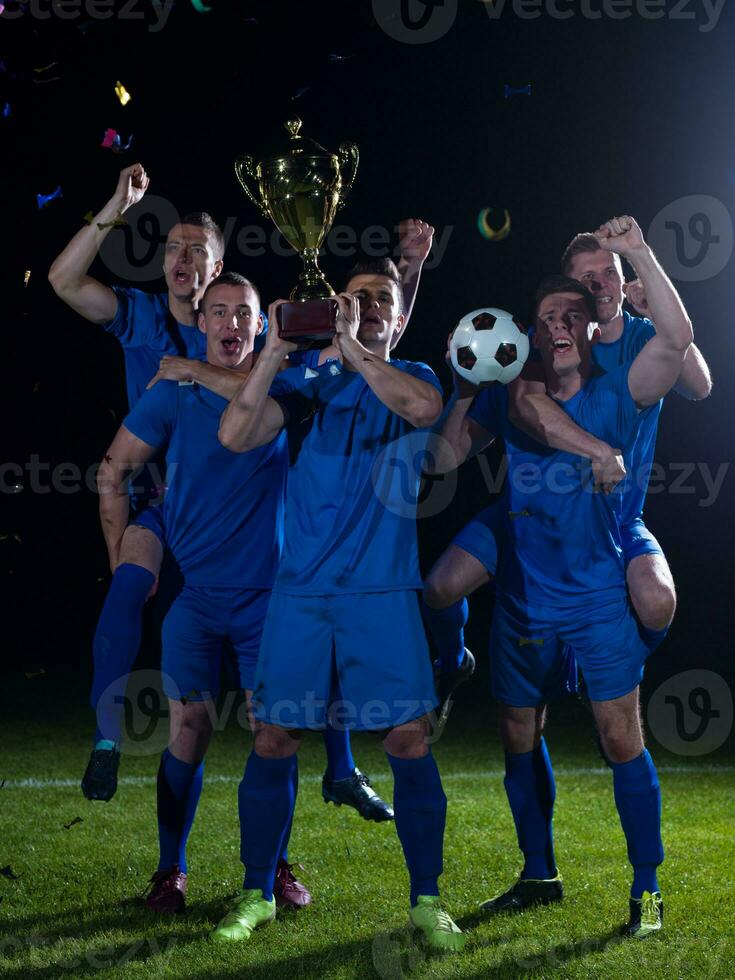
245	168
349	157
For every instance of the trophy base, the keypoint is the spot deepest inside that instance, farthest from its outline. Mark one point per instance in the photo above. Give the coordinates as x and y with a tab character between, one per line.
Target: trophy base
313	319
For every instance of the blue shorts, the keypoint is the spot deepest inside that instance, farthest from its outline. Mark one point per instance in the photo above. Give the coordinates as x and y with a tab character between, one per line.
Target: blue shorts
370	646
637	540
479	537
151	518
195	629
530	651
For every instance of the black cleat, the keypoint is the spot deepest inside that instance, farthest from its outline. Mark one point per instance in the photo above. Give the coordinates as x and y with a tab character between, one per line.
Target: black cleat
356	791
446	686
646	916
526	893
100	777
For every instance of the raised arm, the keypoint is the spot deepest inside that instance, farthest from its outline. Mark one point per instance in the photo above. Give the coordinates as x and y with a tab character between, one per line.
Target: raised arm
533	411
253	418
415	400
126	454
415	238
222	381
657	367
68	273
695	380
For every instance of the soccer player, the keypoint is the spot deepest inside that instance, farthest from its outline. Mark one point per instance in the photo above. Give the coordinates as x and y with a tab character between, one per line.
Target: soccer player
471	559
346	588
223	514
561	589
148	326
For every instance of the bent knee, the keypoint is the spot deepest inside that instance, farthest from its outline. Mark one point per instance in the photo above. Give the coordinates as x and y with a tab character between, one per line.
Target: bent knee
409	741
439	591
272	742
656	606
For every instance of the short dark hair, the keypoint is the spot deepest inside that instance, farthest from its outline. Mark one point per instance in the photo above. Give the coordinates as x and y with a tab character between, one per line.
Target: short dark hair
230	279
378	267
564	284
201	219
585	241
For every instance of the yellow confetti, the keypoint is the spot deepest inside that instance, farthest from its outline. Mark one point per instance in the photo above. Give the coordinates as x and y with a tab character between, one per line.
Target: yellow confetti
122	93
26	277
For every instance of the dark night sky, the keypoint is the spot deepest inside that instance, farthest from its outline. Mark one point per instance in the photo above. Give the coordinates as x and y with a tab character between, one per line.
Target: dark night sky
625	116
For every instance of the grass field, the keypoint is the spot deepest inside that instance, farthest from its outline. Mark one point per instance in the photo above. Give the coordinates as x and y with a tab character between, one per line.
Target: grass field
75	908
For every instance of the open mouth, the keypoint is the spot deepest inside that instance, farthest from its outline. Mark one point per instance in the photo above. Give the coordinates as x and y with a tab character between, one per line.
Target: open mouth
562	345
231	344
604	299
180	276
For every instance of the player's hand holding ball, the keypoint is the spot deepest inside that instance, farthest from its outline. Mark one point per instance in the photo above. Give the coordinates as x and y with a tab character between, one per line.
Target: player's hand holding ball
621	235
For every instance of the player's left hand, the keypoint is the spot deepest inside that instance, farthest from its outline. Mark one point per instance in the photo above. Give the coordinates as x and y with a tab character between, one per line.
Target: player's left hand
348	317
174	368
635	294
622	235
414	240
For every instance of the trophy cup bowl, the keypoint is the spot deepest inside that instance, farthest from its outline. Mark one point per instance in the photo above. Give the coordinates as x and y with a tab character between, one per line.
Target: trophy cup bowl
300	190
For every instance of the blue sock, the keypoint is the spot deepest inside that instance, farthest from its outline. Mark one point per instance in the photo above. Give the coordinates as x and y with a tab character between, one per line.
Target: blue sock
340	763
266	801
287	833
652	638
421	810
179	789
116	643
531	790
638	799
447	631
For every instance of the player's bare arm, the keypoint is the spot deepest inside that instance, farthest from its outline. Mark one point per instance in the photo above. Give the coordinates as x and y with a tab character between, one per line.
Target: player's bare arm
695	379
68	273
657	367
224	382
417	401
126	454
253	418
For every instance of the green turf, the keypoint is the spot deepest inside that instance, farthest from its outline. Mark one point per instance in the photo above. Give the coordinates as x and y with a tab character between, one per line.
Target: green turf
76	908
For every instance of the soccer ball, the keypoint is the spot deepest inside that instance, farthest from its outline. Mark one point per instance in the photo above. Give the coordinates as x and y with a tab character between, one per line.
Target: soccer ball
488	345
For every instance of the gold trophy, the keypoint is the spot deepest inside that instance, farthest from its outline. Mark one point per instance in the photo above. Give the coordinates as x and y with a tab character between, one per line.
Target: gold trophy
300	190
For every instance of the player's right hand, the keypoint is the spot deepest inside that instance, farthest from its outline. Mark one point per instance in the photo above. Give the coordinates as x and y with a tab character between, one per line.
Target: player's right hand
463	387
274	342
131	186
608	469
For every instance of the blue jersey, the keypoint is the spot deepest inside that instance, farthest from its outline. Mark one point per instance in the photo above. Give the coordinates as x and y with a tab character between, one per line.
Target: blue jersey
560	541
146	332
637	331
223	511
353	484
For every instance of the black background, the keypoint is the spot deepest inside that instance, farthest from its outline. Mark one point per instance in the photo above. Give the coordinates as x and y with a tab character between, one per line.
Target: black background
624	117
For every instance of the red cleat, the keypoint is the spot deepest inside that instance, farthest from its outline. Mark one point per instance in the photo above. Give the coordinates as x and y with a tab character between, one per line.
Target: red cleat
287	891
168	892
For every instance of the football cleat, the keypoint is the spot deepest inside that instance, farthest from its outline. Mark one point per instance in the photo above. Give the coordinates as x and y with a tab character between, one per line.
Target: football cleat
437	927
100	777
646	915
249	912
168	892
526	893
356	791
447	683
288	892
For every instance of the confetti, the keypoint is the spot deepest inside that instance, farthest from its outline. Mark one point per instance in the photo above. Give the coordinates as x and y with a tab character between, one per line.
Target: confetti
199	7
117	223
7	872
68	826
34	673
340	57
111	140
51	64
7	111
508	90
45	199
26	277
301	91
486	229
122	93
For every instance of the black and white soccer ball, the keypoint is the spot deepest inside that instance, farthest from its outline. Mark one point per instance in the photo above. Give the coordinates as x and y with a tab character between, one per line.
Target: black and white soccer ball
488	345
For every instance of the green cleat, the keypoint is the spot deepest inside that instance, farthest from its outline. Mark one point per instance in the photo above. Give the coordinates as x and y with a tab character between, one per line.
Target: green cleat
440	932
249	911
646	915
